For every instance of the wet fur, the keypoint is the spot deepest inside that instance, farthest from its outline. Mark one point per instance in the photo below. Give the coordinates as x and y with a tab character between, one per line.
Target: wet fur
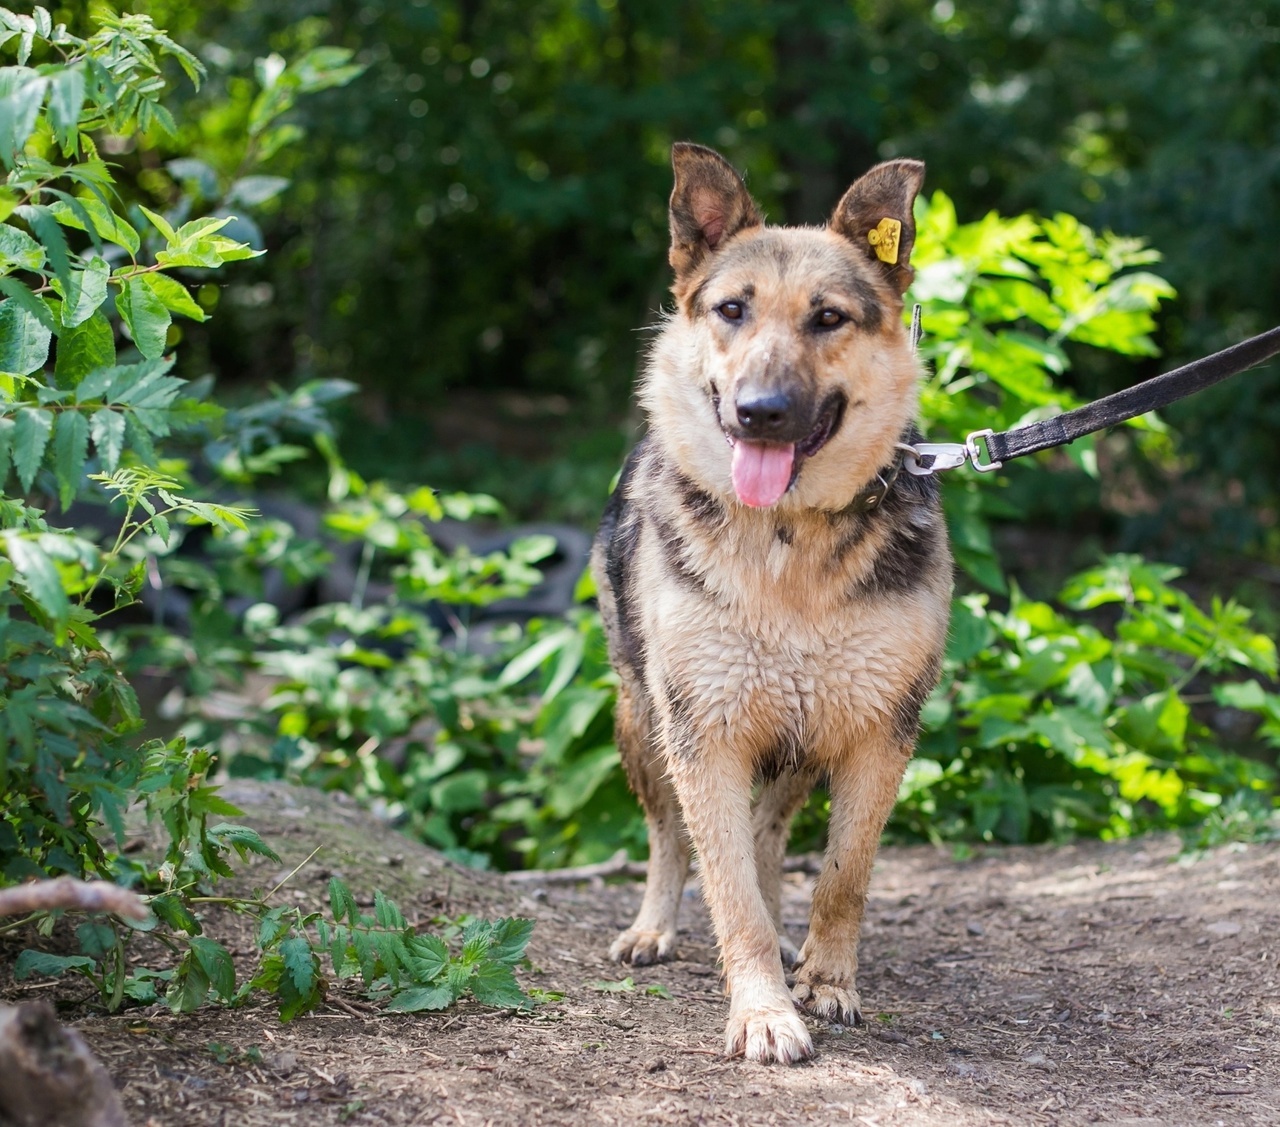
763	650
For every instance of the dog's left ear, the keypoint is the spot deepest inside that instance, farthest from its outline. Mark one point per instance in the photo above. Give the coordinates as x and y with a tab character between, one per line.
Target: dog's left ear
709	204
875	215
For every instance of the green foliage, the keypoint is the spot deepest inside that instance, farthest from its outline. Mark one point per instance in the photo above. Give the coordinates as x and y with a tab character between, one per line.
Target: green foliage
1000	299
89	426
410	971
71	762
1048	725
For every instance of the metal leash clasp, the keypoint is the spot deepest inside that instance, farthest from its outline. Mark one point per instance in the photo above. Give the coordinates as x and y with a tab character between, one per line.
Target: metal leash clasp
927	458
975	454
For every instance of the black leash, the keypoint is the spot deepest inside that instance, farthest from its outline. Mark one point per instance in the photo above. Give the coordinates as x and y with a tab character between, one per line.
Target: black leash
931	457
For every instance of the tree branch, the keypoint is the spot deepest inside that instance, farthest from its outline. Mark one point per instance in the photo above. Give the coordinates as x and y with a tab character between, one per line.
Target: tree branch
87	896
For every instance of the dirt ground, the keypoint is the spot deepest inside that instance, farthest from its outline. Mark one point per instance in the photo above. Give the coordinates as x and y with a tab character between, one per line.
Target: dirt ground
1087	984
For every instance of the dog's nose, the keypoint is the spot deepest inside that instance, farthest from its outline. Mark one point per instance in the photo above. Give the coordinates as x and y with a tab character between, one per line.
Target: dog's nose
764	414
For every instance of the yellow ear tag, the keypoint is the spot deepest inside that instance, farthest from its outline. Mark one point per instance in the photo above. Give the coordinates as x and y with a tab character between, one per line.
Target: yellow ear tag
883	238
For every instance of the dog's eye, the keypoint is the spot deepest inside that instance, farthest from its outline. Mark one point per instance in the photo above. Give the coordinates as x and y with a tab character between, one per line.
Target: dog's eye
829	319
730	310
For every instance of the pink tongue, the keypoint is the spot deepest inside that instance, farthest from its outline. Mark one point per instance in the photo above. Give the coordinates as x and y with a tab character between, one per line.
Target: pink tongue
761	472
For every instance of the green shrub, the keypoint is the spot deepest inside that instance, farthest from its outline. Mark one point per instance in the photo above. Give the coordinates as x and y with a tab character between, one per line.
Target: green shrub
83	422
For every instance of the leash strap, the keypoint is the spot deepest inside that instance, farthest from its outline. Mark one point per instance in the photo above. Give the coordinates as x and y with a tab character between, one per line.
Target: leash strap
927	458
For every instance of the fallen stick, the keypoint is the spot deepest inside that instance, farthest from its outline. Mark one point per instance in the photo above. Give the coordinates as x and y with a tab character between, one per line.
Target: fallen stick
619	865
64	892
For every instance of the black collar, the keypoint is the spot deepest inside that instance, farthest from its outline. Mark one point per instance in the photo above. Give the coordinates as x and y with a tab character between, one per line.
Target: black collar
873	496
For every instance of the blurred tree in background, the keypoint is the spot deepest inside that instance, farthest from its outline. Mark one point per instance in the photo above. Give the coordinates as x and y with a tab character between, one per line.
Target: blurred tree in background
484	209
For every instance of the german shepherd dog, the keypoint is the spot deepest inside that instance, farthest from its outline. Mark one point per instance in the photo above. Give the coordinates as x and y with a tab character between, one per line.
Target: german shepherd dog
775	594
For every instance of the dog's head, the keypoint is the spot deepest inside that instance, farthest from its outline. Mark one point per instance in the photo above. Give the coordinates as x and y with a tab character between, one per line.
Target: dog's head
787	342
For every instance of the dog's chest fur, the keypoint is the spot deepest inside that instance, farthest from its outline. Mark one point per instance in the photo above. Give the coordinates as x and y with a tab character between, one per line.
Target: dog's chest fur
794	629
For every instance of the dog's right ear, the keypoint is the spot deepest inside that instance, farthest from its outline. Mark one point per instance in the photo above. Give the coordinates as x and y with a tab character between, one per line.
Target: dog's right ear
709	204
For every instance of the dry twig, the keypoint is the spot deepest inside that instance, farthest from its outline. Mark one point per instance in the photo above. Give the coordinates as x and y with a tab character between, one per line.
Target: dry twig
64	892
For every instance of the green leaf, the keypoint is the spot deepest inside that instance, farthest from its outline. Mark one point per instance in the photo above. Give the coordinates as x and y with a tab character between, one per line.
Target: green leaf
190	986
97	940
253	190
45	224
174	296
342	903
509	938
194	172
6	446
51	966
107	225
530	659
88	291
161	224
30	437
24	341
39	575
418	998
170	908
66	97
145	317
299	962
241	838
495	985
386	913
70	449
18	250
107	429
81	350
21	95
460	793
621	986
657	990
426	956
217	964
36	306
160	525
577	781
272	926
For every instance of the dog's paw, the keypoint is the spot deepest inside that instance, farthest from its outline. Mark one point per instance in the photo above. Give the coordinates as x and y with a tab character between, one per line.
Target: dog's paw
828	1001
643	948
768	1035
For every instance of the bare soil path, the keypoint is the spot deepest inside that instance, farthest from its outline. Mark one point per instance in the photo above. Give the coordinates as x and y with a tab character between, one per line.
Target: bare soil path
1087	984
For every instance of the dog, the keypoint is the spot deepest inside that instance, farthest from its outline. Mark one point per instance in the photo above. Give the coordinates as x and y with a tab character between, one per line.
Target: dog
775	593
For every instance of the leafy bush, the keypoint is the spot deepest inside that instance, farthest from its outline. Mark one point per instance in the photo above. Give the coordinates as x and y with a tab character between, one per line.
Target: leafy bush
1049	725
84	425
69	718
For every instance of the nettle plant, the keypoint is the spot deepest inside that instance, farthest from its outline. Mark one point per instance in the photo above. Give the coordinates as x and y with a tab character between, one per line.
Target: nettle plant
88	408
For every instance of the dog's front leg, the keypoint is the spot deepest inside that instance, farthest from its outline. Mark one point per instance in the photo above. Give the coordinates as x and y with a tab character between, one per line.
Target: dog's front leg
714	786
771	824
864	786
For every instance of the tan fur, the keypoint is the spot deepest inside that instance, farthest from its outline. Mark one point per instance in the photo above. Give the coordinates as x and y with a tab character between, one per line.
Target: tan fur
770	639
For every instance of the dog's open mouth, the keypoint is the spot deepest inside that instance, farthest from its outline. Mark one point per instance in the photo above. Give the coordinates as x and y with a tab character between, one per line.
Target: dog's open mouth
763	471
